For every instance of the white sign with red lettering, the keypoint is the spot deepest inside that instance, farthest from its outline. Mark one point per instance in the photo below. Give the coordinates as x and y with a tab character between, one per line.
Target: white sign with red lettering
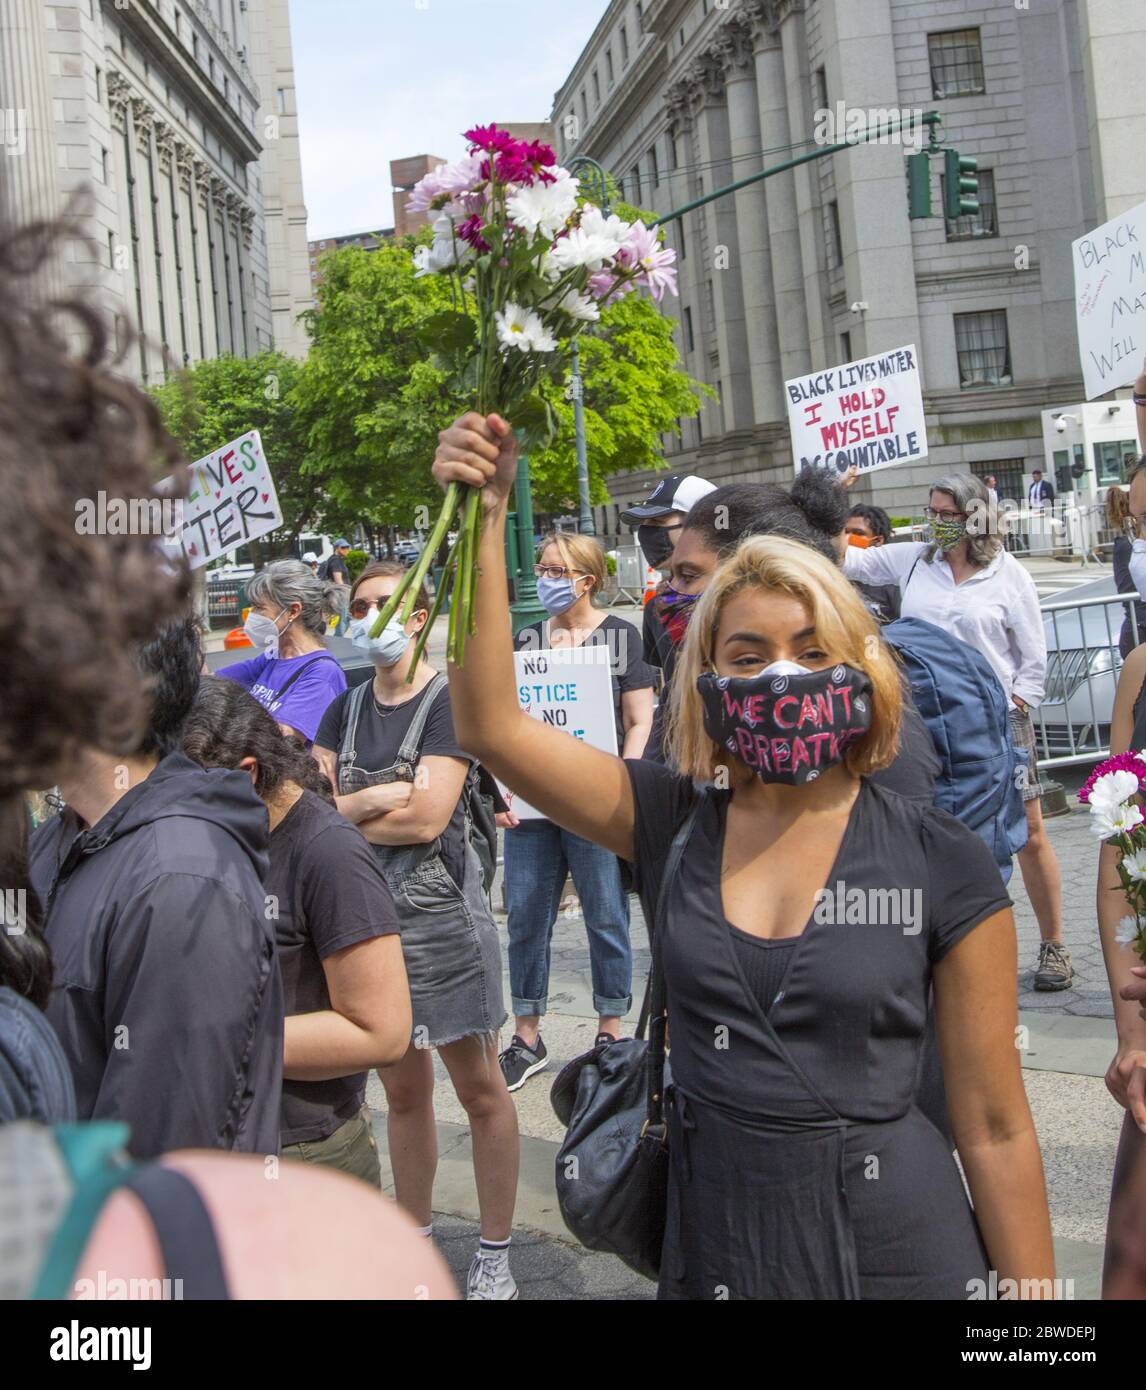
863	415
231	500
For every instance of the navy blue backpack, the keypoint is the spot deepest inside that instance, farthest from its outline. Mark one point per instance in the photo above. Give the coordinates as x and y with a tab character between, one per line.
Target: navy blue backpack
963	705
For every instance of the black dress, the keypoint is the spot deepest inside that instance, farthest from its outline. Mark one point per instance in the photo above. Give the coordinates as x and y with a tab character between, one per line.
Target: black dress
801	1164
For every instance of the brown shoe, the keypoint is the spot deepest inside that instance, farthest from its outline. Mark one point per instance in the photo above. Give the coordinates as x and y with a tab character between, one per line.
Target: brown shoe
1054	970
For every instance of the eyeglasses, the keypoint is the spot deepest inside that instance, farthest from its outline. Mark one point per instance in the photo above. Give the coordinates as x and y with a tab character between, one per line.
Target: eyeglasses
932	515
555	572
361	606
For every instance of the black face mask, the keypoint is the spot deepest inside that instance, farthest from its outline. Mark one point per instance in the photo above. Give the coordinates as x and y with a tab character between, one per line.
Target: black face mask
787	724
656	544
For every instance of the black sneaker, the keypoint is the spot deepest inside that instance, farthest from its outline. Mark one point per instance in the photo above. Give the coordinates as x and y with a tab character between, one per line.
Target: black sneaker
519	1062
1054	970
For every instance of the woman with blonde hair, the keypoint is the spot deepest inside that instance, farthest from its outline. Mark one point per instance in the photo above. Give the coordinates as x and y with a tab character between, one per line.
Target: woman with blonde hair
540	854
807	917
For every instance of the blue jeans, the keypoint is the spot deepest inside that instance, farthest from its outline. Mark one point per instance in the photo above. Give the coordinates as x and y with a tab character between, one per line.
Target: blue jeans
538	854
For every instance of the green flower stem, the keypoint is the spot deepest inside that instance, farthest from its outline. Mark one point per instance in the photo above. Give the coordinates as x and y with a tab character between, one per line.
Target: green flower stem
439	599
410	582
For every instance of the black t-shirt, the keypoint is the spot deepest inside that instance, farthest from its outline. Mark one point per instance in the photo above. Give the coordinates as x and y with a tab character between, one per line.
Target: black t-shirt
854	1010
336	569
628	669
881	600
329	893
381	730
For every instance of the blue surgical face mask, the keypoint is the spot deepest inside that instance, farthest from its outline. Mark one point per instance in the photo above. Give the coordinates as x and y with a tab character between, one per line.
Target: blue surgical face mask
388	647
557	595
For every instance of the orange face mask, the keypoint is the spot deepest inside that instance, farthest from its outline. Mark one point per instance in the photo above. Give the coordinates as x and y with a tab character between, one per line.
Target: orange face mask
861	541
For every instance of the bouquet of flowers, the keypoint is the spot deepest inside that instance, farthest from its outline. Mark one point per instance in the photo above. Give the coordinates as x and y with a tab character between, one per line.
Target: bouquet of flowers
530	267
1118	821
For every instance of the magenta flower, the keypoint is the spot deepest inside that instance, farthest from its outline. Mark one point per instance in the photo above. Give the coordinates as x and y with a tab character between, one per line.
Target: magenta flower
1121	762
470	231
643	250
488	137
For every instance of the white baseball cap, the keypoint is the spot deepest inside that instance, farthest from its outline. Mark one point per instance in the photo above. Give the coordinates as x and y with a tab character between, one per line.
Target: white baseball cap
310	558
679	492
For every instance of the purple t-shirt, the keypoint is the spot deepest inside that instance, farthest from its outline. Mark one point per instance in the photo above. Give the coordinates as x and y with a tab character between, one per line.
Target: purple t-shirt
304	704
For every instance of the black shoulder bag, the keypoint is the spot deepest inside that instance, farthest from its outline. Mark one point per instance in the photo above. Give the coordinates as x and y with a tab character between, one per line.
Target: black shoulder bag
612	1167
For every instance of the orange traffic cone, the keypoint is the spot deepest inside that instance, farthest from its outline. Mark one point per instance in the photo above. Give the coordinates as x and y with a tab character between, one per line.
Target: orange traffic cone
651	582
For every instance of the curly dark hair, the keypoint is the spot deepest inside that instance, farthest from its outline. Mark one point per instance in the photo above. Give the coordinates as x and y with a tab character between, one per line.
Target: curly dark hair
227	724
73	606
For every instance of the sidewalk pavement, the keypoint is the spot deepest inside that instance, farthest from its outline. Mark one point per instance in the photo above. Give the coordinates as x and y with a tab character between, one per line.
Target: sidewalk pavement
1068	1045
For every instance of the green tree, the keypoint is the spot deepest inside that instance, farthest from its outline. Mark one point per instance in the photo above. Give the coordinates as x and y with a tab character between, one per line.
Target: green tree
374	399
223	397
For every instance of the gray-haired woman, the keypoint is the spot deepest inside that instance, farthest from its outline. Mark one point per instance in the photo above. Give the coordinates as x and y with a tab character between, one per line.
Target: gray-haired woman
964	581
294	677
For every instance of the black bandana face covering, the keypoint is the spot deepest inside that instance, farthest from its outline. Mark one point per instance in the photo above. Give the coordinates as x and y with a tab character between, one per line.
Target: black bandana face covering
787	724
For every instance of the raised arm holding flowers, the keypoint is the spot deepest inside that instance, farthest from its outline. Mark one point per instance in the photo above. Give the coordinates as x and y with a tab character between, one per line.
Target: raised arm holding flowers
530	267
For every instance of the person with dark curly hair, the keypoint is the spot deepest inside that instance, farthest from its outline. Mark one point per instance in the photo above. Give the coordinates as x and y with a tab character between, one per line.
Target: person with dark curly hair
73	604
152	880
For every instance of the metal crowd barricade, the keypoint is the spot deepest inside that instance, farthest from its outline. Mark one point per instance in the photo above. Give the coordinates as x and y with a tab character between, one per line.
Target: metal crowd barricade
1072	725
225	600
631	568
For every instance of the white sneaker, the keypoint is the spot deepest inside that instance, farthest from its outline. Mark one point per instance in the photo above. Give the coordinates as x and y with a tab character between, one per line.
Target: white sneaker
489	1276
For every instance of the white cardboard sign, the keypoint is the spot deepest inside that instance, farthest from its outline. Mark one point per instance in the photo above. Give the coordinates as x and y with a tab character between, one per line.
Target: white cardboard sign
1110	301
231	500
866	414
571	689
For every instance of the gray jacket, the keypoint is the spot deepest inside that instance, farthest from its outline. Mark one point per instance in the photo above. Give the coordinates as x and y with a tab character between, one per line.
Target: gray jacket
167	997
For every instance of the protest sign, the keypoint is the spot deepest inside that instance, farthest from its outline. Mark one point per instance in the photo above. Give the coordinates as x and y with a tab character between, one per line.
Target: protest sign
864	415
231	500
1110	301
571	689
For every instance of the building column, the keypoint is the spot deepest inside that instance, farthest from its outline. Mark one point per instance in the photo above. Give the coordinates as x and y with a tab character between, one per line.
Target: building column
761	333
28	159
782	199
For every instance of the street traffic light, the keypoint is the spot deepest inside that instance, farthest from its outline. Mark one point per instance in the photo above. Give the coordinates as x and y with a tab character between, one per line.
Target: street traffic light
960	185
918	185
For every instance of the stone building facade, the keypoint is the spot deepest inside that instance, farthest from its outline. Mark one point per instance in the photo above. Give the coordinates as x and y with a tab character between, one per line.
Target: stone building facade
150	115
821	264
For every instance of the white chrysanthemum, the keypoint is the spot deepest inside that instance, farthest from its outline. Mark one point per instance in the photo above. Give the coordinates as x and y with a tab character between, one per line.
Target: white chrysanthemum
612	228
579	306
549	268
435	258
1112	789
544	208
582	248
522	329
1135	865
1117	820
1127	933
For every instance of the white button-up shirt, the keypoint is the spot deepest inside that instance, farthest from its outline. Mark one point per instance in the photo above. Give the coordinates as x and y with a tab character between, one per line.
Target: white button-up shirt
995	610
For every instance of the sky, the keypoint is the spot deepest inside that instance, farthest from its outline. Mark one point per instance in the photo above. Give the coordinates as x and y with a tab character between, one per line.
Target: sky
378	80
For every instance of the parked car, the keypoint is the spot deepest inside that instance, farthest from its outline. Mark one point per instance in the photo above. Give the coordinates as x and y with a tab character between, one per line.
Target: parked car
1083	663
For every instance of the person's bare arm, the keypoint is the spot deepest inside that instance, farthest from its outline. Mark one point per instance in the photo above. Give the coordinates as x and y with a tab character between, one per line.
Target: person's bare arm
1140	407
369	1020
427	812
976	1018
1126	1075
637	718
579	787
363	805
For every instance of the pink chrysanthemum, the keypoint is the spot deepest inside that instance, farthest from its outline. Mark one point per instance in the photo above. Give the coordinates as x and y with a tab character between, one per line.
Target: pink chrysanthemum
470	231
1121	762
488	137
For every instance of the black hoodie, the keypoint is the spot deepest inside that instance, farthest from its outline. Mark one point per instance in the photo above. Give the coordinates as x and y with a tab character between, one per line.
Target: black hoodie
167	997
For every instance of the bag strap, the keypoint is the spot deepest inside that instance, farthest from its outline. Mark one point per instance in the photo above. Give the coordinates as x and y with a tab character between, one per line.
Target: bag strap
653	1010
186	1233
910	572
408	753
306	665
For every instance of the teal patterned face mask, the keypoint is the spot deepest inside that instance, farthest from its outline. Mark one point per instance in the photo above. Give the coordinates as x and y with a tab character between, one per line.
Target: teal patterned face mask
946	534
